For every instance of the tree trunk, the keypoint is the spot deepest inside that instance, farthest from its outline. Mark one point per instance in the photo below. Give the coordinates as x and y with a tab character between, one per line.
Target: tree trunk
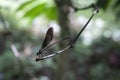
63	7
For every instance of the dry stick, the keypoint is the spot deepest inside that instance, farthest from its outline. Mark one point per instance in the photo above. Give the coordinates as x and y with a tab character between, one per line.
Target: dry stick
95	11
76	38
84	8
51	55
71	45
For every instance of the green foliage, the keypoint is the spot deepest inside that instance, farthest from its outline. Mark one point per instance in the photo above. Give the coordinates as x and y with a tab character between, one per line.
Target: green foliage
113	5
103	3
32	9
117	3
24	4
9	18
116	8
8	65
97	72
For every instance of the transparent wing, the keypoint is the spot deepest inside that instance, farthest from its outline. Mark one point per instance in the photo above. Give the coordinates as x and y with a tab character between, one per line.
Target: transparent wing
53	49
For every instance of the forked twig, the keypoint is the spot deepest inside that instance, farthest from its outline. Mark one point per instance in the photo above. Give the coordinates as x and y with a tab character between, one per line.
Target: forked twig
84	8
71	45
53	54
76	38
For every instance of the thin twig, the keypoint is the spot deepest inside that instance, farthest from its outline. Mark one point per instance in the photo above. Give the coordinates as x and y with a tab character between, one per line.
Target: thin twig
84	8
76	38
53	54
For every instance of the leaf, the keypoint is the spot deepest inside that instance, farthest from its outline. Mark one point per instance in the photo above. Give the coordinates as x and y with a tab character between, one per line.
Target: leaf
35	11
48	37
23	5
51	13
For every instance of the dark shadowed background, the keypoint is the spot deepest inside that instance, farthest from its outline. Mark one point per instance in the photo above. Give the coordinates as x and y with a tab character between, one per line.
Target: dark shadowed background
23	26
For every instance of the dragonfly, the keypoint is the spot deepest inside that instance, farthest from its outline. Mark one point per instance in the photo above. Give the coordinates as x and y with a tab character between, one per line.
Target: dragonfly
49	36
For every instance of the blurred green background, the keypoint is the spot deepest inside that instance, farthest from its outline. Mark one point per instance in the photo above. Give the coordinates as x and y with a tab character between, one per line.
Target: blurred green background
23	25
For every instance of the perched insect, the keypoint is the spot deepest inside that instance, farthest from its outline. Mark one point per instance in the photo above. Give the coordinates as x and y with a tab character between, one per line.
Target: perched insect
47	40
46	45
49	35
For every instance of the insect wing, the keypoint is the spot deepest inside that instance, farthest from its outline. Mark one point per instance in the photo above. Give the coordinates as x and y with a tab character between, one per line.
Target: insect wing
48	37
